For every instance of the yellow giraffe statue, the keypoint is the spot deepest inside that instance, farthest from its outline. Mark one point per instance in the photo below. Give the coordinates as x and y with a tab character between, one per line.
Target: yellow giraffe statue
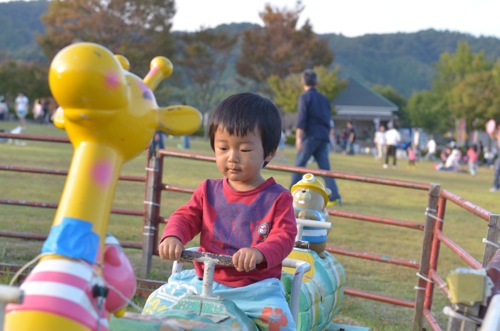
110	116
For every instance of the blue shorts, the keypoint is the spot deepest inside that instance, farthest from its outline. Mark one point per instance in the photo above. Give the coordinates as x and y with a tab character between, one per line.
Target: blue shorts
21	113
264	301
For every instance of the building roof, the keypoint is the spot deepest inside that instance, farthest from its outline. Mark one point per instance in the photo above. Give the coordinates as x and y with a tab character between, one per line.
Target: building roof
357	94
360	102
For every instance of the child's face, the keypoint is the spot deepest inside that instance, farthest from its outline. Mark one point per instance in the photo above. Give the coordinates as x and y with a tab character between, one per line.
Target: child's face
240	159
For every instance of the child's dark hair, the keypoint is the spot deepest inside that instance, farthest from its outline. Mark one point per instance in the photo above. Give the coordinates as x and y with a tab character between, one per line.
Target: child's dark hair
243	113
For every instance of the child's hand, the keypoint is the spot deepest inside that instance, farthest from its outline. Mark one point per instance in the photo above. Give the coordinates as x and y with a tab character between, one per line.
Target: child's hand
171	249
247	258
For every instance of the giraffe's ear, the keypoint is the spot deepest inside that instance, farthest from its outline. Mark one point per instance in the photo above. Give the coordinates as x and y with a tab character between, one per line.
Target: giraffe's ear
179	120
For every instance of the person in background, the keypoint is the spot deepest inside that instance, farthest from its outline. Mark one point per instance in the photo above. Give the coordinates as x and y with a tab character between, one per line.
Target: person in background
473	157
242	214
392	139
157	143
333	138
379	141
22	103
445	153
281	147
343	139
46	111
489	157
37	110
351	138
312	136
452	162
412	157
453	144
431	149
496	174
185	143
415	142
4	109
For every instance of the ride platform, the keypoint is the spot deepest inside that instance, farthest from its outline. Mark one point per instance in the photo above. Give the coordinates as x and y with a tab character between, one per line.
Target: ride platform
134	321
344	327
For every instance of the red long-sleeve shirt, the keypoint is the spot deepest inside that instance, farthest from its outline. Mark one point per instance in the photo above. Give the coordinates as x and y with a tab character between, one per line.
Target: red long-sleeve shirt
228	220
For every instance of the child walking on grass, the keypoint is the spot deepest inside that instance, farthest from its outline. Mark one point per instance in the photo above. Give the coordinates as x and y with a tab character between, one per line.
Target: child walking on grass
473	157
412	158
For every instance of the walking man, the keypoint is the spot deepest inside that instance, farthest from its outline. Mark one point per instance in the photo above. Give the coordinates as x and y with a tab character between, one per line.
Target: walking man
312	137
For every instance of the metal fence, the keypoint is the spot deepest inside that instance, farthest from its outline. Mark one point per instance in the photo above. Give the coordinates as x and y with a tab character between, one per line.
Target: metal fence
433	235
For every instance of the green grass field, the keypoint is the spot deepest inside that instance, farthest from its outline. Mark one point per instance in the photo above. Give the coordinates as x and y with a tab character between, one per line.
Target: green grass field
464	228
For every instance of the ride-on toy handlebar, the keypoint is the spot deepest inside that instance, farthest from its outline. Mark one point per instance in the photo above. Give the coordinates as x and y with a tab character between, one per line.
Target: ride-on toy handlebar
211	260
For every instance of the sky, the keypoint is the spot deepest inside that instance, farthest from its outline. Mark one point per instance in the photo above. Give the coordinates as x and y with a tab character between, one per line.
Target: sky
352	18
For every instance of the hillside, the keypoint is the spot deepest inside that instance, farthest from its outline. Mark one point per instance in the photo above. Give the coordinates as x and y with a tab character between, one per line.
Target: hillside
403	60
19	23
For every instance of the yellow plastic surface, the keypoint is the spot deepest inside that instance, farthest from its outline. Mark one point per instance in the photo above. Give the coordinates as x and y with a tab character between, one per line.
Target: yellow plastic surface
40	321
466	286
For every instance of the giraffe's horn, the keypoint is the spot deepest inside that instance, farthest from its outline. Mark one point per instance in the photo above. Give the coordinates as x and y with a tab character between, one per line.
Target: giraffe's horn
160	68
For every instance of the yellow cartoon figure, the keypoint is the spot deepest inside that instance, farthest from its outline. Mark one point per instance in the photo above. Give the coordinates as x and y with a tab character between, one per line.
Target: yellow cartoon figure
310	196
110	116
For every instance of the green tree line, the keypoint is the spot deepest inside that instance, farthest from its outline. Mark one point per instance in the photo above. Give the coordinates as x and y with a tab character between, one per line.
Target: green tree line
460	82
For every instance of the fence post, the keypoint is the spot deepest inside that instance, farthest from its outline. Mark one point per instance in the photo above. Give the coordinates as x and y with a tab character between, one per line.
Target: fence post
492	238
430	221
152	199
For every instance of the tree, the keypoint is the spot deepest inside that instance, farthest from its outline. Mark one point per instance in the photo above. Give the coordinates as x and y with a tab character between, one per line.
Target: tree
427	110
494	110
279	48
472	99
453	68
138	29
203	59
399	100
286	91
462	81
465	87
31	78
477	97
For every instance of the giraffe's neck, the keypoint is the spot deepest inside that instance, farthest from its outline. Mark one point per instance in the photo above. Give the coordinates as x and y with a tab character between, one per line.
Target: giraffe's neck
90	187
78	233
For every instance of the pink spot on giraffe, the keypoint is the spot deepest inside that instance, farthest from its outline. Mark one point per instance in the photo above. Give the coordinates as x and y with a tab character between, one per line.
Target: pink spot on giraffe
101	174
112	80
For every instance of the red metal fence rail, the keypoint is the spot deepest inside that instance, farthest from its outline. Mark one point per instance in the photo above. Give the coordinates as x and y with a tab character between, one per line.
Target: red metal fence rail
54	205
337	213
427	274
433	235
